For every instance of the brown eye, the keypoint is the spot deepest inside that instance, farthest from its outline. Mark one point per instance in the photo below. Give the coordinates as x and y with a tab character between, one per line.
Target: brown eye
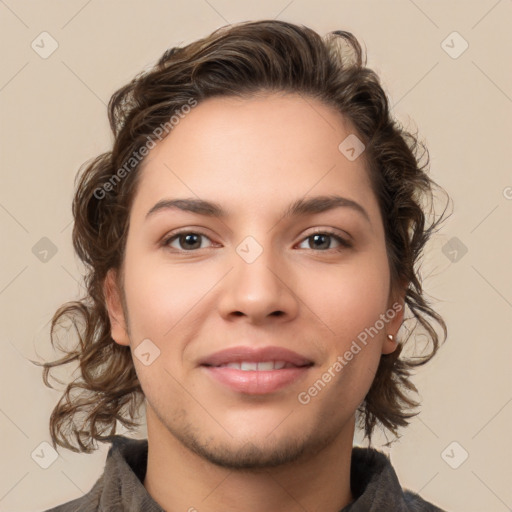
187	240
322	240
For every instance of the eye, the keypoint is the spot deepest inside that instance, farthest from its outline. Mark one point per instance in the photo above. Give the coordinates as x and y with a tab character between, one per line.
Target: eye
189	240
319	240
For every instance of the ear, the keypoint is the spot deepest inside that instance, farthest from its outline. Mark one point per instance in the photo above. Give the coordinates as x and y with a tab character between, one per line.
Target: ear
114	305
395	315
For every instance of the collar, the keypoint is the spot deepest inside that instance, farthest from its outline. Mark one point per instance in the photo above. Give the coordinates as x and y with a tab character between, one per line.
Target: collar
376	488
123	477
373	481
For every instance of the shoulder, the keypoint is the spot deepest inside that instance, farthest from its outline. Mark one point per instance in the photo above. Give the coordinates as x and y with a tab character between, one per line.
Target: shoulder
90	502
375	485
121	484
415	503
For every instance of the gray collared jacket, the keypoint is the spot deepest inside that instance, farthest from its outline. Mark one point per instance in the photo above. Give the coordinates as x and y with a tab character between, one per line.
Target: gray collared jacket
120	488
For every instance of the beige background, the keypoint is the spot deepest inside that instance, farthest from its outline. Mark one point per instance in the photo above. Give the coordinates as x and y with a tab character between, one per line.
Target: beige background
53	118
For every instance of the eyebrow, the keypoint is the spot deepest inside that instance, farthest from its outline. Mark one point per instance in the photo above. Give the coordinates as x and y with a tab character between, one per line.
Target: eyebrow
300	207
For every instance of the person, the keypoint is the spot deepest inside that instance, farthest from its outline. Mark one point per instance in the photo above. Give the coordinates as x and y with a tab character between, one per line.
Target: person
250	244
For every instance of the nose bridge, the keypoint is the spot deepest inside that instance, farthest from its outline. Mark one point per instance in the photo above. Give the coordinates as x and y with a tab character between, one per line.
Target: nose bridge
256	263
258	284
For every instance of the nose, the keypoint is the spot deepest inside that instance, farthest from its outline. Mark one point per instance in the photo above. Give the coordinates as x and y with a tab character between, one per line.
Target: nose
259	290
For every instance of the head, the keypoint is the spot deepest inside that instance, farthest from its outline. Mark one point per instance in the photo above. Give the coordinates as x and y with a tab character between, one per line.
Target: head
260	129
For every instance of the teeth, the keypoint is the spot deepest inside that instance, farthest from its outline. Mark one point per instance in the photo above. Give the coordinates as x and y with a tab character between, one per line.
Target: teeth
263	366
248	366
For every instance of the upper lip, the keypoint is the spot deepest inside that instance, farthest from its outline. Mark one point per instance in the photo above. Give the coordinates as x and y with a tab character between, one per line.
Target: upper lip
251	354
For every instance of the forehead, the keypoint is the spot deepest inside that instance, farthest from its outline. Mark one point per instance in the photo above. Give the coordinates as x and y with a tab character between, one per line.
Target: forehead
253	153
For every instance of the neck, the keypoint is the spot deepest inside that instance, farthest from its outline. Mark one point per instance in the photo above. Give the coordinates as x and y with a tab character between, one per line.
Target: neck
178	479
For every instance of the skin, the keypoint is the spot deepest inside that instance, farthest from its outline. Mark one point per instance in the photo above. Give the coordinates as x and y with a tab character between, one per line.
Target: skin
254	156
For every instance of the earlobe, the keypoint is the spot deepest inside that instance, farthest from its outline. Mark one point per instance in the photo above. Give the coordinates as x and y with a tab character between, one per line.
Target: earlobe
390	344
395	313
114	306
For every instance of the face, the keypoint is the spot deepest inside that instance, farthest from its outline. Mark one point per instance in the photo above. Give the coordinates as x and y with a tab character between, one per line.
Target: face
242	317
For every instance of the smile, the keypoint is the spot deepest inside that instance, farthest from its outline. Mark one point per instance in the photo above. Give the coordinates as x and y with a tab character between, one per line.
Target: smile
255	371
256	377
251	366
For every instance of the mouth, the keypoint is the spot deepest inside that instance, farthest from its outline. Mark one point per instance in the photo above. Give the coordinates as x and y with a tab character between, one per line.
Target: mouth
256	371
257	366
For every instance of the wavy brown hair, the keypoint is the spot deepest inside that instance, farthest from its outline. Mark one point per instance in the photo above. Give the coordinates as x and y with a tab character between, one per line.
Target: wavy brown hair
238	60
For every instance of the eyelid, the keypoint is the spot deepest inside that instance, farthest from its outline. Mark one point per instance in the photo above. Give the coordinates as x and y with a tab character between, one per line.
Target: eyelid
331	231
174	234
345	240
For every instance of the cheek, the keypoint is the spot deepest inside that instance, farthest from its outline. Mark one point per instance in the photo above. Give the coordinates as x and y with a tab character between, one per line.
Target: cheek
351	298
160	296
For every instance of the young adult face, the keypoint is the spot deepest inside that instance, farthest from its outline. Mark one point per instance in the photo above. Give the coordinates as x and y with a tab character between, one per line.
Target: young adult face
253	279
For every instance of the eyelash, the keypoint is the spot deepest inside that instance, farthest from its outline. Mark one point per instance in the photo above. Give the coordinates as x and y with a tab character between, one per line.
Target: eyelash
345	244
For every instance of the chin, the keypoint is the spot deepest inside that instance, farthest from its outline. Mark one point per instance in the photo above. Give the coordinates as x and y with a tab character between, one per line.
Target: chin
256	450
250	455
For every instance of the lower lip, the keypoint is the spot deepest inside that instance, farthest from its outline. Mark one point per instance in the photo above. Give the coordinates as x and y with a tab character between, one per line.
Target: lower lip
256	382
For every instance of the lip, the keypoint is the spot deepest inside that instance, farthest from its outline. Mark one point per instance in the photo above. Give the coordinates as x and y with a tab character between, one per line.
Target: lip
251	354
256	382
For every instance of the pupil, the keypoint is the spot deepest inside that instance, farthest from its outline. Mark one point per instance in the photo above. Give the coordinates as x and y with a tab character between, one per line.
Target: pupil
316	237
187	237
